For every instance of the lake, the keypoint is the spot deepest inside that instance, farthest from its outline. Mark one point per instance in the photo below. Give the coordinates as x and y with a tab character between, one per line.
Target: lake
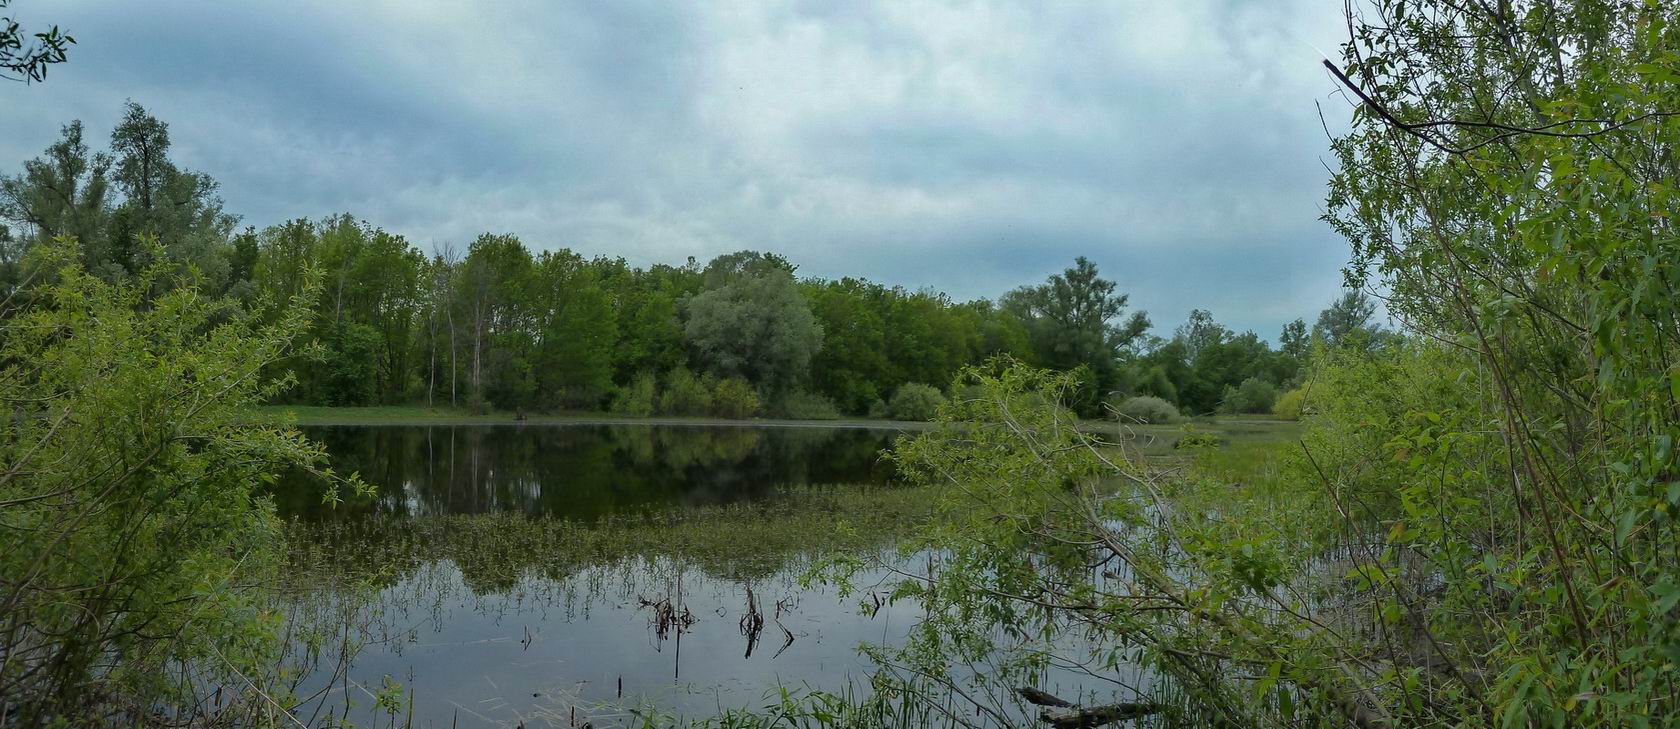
545	574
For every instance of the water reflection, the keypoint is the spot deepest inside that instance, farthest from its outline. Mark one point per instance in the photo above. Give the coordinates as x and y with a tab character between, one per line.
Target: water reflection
587	647
576	471
550	575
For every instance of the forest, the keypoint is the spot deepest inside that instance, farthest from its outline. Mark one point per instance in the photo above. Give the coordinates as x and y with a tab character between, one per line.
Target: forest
496	324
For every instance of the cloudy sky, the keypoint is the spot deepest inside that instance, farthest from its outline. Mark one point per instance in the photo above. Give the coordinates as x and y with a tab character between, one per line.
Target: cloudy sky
968	147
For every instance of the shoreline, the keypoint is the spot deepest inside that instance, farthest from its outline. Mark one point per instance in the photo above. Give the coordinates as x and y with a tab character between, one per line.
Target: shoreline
314	415
319	415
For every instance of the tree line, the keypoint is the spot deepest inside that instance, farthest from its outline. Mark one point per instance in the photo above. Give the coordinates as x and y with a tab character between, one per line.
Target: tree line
495	324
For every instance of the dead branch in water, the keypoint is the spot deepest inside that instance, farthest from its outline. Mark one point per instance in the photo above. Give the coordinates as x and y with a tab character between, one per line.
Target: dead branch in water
752	622
1062	714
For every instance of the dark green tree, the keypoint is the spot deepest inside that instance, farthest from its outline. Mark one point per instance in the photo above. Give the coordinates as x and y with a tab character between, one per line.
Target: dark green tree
1348	322
1073	319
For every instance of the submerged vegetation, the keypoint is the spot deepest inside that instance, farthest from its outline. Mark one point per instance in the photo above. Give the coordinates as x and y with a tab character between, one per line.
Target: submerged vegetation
738	541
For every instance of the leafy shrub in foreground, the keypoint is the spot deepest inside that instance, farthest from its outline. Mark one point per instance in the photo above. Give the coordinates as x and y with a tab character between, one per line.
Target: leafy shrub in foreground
135	548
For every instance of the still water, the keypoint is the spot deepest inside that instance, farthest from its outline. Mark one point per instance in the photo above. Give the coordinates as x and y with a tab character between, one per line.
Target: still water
581	471
481	628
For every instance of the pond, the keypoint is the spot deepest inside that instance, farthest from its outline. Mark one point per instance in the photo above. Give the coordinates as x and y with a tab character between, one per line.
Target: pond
538	575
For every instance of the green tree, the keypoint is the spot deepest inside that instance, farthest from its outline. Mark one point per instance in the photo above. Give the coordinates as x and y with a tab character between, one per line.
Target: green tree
1199	332
64	192
1294	340
493	295
852	367
1348	322
755	325
1073	320
578	329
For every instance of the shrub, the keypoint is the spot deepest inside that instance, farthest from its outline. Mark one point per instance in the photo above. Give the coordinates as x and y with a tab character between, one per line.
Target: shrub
1148	409
1288	405
802	405
734	397
1254	395
915	401
685	394
638	398
138	530
1193	438
878	409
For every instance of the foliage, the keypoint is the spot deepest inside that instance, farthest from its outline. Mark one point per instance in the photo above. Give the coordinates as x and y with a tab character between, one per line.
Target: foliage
1192	437
685	394
578	331
733	397
1147	409
1347	323
132	490
1051	553
350	362
638	398
1516	202
915	401
1290	404
802	405
22	59
1254	395
756	326
1071	322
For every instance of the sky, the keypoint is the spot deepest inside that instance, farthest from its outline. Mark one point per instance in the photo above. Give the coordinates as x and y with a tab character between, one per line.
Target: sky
966	147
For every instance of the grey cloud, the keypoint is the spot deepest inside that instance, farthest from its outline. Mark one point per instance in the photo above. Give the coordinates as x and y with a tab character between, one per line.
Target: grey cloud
965	147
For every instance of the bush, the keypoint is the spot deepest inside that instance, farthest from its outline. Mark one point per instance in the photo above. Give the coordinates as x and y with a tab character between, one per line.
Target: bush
1148	409
915	401
802	405
1288	405
638	398
878	410
685	394
734	397
1193	438
138	529
1253	396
